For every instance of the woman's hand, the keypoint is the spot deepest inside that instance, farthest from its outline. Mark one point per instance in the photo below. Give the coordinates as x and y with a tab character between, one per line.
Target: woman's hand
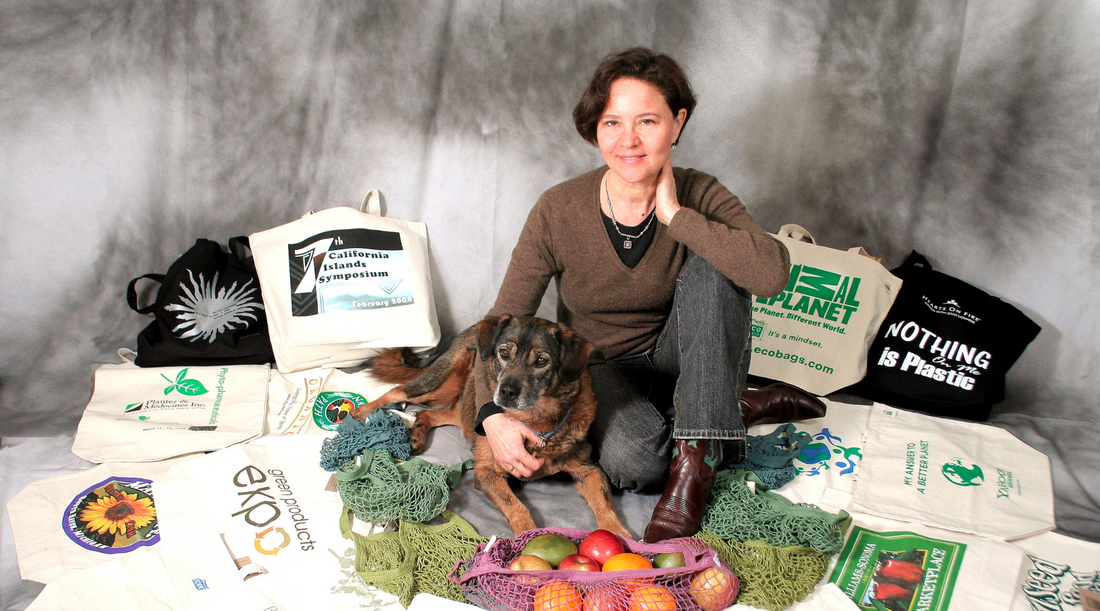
506	436
666	202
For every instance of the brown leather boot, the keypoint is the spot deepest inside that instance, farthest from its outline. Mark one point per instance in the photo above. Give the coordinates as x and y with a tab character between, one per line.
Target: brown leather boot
679	512
779	403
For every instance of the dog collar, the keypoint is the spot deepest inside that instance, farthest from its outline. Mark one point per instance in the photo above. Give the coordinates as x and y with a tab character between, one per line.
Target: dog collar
546	437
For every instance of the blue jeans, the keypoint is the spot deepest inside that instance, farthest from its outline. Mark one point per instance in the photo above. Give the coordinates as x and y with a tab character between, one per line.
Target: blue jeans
687	386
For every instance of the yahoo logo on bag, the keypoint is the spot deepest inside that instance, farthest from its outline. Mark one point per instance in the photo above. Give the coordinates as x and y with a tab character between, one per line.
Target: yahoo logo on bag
820	293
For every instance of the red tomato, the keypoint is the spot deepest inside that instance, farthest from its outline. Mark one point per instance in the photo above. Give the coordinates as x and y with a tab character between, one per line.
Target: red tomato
600	545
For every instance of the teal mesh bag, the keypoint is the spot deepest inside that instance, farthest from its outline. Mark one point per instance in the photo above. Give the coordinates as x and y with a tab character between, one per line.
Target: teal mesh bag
382	430
771	457
378	489
737	513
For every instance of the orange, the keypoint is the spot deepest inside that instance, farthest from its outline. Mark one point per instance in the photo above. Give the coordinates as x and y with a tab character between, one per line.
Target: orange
607	597
558	596
625	562
714	588
652	598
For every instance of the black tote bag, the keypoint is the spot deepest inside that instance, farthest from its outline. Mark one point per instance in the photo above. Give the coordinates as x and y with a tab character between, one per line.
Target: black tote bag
208	310
945	346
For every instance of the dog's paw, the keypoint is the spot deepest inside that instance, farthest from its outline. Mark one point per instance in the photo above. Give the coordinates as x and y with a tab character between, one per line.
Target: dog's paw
418	438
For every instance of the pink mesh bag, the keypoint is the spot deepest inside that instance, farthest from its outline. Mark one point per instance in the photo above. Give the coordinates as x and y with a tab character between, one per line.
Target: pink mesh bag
704	584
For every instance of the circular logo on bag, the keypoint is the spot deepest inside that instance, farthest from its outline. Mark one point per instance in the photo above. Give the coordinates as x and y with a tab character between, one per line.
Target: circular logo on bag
114	516
330	408
959	475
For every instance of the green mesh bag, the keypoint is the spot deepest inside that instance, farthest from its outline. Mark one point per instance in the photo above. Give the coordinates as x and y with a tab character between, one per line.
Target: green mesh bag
735	512
378	489
772	578
417	558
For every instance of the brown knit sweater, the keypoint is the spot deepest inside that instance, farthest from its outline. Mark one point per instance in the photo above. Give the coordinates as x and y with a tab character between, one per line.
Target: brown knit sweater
619	309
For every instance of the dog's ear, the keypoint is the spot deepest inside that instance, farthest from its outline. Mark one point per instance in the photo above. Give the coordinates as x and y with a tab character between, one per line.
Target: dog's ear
575	351
488	330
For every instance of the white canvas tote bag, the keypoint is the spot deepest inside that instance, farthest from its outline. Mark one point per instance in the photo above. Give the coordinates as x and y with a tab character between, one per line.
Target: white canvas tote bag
816	333
1060	573
317	400
911	566
268	499
151	413
179	576
340	283
72	522
964	476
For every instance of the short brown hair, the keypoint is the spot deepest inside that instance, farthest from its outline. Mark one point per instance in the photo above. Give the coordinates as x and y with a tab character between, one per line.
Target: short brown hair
639	63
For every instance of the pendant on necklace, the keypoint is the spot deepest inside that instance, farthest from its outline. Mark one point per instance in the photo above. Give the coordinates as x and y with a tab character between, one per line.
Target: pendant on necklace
627	245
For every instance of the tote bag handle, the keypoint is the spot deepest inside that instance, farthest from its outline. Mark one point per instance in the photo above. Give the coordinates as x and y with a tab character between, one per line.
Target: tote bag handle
796	232
372	203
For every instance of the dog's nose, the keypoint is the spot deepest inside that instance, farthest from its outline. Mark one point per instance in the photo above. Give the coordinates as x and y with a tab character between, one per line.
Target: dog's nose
509	390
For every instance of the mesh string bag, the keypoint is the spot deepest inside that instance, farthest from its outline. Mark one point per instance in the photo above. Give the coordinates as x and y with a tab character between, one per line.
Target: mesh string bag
771	456
377	489
737	513
704	584
772	578
382	430
416	558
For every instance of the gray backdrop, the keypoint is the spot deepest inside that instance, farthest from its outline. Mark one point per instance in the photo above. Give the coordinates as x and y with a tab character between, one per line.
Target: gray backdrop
964	129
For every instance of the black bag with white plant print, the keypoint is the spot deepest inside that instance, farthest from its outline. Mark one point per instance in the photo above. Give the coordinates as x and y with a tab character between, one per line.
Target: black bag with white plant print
208	310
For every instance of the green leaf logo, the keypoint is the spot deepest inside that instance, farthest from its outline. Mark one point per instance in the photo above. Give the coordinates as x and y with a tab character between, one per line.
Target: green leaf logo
185	386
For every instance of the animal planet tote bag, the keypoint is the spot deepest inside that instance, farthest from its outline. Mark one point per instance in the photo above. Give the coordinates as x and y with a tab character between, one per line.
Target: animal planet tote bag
816	333
151	413
268	499
208	310
957	475
76	521
341	283
945	347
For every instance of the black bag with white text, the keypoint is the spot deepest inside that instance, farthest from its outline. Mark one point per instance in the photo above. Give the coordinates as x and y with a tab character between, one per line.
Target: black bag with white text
945	346
208	310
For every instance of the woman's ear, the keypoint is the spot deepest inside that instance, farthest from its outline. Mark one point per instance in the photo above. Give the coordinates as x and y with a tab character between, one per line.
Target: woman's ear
575	351
488	330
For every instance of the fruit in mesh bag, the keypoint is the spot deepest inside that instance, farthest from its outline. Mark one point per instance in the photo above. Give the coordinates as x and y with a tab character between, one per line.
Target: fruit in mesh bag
607	597
529	563
626	561
600	545
669	560
558	596
714	588
578	562
652	597
551	547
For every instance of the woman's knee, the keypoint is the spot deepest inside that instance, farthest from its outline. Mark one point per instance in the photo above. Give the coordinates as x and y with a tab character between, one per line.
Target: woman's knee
632	467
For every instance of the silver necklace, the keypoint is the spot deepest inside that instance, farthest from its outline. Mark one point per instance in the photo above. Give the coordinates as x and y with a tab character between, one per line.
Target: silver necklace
628	243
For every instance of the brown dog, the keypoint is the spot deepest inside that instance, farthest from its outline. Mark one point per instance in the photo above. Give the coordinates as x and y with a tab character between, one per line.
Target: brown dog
537	372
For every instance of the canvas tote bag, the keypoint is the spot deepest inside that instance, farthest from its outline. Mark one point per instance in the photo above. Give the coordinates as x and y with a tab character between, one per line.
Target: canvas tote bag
816	333
141	414
80	520
945	347
343	282
963	476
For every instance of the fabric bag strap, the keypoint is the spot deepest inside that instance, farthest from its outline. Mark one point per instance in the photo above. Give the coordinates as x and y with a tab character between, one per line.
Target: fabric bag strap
796	232
917	260
372	203
131	293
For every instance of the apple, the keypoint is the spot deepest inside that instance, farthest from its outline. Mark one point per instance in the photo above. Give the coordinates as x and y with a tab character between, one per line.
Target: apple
529	563
669	560
579	562
600	545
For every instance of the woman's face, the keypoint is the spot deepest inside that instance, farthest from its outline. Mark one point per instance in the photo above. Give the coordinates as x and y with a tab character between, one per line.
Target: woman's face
636	130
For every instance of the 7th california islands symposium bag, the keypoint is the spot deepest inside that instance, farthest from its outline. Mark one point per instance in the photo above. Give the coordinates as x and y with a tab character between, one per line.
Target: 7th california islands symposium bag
341	283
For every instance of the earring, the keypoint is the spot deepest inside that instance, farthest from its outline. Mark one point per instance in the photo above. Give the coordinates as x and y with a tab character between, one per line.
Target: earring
674	146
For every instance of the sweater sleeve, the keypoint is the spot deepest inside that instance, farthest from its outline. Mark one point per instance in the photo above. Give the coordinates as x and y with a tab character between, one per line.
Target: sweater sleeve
714	224
532	266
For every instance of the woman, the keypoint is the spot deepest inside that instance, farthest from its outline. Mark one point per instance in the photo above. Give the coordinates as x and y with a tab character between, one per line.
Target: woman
654	266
